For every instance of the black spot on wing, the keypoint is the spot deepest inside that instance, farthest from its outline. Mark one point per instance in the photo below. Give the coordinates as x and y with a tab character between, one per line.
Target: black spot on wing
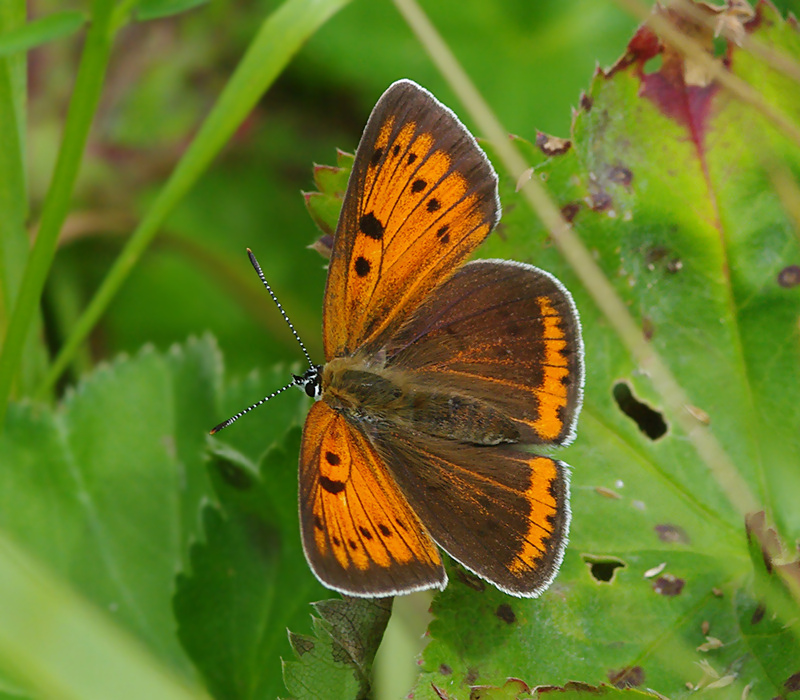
371	226
362	266
331	485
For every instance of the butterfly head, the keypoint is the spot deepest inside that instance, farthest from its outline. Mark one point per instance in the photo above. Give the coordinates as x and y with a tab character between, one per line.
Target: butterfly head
310	382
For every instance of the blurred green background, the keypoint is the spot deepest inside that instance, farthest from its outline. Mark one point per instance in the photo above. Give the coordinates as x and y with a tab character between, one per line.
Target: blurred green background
529	59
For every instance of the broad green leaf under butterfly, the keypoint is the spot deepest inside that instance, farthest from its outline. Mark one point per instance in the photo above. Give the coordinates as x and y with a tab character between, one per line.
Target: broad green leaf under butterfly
679	208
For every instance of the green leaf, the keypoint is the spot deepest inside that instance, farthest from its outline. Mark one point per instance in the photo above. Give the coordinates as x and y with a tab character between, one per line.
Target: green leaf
336	662
156	9
324	206
249	578
41	31
107	489
680	212
515	689
57	645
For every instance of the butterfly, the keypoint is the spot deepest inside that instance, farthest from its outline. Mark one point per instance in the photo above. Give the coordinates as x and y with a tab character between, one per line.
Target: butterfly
439	375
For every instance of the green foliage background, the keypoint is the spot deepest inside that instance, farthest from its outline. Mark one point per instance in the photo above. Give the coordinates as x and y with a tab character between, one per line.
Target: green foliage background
82	516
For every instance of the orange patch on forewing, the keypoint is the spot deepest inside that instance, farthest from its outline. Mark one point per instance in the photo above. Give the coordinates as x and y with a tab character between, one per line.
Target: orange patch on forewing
366	520
552	392
543	505
395	173
382	143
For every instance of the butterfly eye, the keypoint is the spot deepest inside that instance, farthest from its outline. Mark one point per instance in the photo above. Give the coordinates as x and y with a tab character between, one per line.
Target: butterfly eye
310	382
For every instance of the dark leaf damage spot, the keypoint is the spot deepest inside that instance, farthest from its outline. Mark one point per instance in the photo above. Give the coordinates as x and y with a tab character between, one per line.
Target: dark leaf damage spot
621	175
301	644
603	569
552	145
667	532
445	670
792	683
758	614
668	585
599	199
505	613
650	421
789	276
570	210
628	677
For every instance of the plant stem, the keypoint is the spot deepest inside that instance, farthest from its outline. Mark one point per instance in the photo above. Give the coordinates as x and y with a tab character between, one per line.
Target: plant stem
83	104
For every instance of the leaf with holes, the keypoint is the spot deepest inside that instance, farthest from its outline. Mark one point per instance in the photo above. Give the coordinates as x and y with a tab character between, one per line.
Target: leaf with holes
684	196
678	190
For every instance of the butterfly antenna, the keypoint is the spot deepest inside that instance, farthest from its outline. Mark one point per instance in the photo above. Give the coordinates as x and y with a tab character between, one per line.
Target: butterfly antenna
257	267
233	419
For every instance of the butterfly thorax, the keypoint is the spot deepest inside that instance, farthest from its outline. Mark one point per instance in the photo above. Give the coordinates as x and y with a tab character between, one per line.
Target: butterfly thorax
367	393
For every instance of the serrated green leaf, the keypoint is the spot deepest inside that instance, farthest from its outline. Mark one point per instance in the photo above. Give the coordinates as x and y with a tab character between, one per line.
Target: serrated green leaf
106	491
156	9
41	31
249	579
331	179
683	219
336	662
515	689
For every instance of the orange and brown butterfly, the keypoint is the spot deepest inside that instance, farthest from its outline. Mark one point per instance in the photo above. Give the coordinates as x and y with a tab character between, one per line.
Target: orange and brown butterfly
439	376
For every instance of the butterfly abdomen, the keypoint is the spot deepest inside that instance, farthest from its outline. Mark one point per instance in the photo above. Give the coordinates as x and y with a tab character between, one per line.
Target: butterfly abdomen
391	396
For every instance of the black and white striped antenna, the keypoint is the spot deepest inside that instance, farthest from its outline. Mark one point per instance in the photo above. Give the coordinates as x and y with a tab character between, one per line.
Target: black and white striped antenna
308	382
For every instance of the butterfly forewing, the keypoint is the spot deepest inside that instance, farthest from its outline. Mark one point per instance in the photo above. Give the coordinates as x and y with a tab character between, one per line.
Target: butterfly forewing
421	197
507	334
359	533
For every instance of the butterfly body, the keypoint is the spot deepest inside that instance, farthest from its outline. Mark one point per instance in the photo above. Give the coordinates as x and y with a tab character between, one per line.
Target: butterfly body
402	400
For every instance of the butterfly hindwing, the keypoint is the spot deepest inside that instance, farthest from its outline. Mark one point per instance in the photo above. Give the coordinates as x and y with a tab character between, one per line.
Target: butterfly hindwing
505	333
421	197
359	534
501	512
